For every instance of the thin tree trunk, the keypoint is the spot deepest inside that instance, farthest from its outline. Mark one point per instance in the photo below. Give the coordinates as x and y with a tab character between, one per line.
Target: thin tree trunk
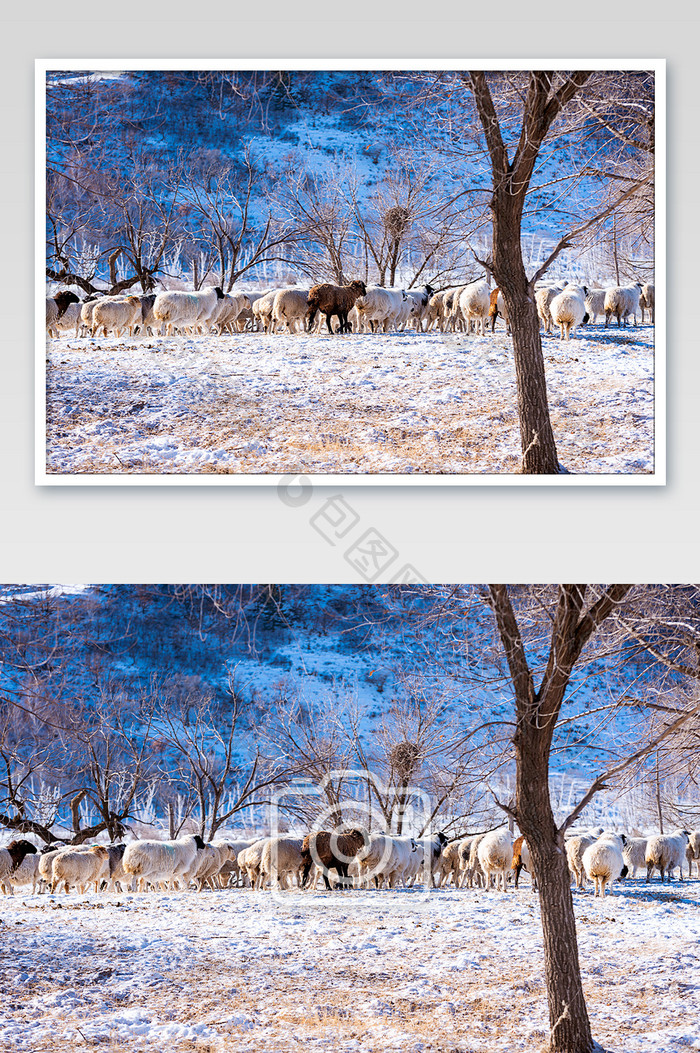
75	810
615	257
658	797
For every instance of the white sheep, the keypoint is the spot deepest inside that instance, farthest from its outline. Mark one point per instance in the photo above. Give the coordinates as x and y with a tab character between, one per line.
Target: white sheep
249	861
379	308
385	858
665	852
67	322
472	871
56	306
543	299
603	861
18	866
568	309
27	873
160	862
408	309
186	310
80	868
424	863
647	300
86	309
205	867
435	311
230	310
45	866
473	305
495	854
421	298
450	308
262	310
692	852
622	301
11	857
634	854
280	861
575	846
405	855
595	303
289	308
432	846
120	314
448	864
230	871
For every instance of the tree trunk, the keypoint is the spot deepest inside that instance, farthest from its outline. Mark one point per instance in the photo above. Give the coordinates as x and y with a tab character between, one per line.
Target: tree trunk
75	810
615	257
537	443
568	1016
659	809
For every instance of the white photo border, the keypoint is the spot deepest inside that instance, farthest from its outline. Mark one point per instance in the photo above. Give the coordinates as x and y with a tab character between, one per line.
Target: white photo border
655	478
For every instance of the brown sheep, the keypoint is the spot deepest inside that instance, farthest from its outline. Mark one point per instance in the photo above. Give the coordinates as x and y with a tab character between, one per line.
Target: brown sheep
522	858
493	307
497	306
331	851
12	857
56	307
18	850
63	300
334	300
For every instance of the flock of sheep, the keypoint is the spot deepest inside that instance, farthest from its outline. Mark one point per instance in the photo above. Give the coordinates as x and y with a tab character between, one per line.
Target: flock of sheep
358	307
360	859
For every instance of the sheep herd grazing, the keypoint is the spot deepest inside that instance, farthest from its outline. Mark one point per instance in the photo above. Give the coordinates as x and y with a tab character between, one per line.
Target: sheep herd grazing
359	308
344	859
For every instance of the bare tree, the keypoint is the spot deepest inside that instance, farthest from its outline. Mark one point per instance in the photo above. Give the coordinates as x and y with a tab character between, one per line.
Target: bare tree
545	97
319	207
203	742
224	204
313	744
577	614
95	217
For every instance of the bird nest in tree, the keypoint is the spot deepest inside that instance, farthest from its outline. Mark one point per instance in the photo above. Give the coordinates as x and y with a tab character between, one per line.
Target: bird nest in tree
404	758
396	219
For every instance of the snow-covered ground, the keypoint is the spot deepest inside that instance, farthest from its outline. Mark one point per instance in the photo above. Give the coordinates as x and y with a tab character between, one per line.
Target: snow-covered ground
383	971
396	403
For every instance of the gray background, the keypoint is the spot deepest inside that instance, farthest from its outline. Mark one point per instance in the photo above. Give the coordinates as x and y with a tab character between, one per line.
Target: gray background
124	533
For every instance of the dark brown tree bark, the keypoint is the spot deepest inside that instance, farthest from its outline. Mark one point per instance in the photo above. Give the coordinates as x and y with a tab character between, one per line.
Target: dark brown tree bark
537	712
511	180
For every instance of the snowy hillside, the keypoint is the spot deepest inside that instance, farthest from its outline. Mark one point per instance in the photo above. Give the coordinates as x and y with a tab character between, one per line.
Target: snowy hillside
292	173
345	669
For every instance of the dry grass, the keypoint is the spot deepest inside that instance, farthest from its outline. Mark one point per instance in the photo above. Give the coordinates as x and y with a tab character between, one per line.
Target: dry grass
316	423
260	1002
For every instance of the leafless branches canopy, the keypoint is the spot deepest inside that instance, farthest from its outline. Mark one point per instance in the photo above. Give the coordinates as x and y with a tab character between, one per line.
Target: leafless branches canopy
133	199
